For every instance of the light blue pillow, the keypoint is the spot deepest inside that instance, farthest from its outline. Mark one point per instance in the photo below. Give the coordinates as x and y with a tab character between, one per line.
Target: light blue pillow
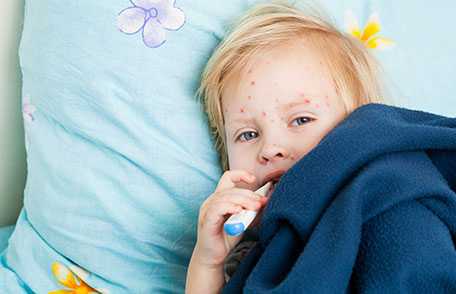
5	233
118	150
419	69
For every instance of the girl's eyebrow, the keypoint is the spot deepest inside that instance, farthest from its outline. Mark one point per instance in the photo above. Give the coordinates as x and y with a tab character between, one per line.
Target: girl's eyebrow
246	120
287	106
241	120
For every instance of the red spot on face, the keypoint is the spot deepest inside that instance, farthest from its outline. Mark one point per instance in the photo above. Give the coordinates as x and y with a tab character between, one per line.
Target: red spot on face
263	113
252	83
292	157
250	71
327	104
317	105
242	109
249	97
307	101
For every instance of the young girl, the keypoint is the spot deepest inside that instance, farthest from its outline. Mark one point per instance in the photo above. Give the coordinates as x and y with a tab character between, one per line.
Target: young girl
273	89
351	216
278	83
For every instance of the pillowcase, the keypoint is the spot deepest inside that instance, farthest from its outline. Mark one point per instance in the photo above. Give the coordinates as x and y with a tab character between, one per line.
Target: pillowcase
119	153
420	66
5	233
118	150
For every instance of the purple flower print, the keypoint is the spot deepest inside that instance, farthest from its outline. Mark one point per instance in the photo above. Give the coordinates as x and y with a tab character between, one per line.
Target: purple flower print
27	113
152	18
27	110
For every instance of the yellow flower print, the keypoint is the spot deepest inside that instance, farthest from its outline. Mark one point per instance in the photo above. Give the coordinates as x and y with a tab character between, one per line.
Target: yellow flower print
71	278
369	35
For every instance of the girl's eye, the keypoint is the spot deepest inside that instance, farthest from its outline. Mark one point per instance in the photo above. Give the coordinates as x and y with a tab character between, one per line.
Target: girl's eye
302	120
247	136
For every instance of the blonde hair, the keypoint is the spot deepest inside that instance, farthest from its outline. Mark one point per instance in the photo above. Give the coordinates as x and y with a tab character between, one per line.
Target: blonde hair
354	70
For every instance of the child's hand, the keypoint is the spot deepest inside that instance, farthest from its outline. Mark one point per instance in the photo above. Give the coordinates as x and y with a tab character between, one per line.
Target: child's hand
213	244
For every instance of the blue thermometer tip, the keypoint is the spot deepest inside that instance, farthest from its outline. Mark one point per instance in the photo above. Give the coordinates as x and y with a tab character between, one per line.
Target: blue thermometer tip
234	229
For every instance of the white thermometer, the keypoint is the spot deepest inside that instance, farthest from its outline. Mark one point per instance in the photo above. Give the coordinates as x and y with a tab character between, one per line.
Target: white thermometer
237	223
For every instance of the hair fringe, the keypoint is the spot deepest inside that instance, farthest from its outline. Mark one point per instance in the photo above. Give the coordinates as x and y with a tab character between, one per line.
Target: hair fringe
356	72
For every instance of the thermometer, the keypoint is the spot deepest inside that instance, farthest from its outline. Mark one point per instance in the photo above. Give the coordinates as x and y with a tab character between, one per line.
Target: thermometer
237	223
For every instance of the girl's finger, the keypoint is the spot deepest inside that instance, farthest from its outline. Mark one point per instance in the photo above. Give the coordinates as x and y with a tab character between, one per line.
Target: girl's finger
231	177
235	191
241	197
247	202
216	215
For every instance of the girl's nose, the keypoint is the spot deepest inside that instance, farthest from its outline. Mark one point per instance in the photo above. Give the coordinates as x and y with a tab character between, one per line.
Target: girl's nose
272	153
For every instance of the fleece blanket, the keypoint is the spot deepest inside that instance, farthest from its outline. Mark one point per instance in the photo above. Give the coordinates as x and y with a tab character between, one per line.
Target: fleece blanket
372	209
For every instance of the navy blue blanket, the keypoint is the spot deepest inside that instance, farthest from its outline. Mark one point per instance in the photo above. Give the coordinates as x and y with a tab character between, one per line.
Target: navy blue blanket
371	209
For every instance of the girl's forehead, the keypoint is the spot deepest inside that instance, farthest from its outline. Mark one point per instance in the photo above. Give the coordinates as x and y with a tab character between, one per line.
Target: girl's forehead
293	68
280	77
283	94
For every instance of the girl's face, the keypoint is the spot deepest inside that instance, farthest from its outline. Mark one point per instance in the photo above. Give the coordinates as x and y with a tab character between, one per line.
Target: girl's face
279	109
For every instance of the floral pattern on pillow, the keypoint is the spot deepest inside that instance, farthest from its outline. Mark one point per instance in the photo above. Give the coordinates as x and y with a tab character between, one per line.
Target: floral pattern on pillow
369	35
28	110
152	18
72	278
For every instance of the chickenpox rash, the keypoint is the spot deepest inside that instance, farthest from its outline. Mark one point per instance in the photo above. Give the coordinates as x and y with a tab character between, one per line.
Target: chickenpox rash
263	113
303	95
249	72
249	97
252	83
317	105
292	157
242	110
